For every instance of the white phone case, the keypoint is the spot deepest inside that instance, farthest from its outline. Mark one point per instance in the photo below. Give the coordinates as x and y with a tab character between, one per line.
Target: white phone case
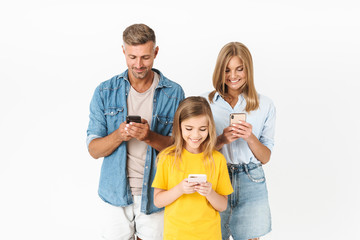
199	178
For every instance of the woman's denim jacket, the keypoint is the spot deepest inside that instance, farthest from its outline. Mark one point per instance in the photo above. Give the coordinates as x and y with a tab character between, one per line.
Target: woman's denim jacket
108	110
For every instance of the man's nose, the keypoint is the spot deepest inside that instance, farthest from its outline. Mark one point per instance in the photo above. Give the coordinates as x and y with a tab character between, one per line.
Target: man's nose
139	63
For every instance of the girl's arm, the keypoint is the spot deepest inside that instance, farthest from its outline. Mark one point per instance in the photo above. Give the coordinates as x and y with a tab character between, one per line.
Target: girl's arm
163	198
219	202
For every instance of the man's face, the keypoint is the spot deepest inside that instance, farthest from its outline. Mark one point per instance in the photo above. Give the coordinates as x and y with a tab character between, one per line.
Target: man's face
140	59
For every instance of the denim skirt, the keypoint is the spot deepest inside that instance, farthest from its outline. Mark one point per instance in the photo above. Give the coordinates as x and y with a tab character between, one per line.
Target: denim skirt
248	213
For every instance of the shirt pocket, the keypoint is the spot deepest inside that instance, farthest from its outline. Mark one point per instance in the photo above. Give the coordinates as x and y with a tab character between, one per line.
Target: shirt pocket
164	125
114	117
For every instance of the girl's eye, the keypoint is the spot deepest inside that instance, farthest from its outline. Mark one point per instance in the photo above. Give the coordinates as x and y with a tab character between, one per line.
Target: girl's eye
188	129
240	69
203	129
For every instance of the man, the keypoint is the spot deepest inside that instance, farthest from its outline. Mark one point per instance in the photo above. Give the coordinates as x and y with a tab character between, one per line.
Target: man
130	149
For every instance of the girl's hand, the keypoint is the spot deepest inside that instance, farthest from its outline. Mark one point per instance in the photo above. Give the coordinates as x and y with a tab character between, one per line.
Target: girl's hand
186	187
204	188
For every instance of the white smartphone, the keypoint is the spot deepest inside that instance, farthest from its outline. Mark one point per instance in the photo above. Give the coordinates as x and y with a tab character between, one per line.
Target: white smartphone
198	178
236	117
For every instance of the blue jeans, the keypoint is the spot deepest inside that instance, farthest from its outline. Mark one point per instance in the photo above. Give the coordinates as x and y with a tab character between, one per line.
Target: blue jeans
248	213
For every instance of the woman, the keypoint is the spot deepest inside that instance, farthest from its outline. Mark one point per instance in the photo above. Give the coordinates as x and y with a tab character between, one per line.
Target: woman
246	145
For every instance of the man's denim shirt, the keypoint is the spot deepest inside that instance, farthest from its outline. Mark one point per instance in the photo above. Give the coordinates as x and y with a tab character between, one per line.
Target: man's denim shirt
108	109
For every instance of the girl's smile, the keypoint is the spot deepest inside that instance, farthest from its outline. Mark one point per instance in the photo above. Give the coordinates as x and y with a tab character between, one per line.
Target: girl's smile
194	132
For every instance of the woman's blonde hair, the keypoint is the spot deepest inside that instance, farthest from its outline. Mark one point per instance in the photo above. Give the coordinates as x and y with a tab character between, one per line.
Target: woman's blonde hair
188	108
248	89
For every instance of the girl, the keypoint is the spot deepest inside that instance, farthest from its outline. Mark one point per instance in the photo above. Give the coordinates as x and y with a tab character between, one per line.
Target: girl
192	209
246	145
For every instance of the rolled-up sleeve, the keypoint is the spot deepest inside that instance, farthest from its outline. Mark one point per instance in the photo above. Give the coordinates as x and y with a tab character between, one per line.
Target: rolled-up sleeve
268	132
97	124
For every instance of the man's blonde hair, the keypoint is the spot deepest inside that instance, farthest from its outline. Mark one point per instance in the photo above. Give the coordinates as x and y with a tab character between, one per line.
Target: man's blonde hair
137	34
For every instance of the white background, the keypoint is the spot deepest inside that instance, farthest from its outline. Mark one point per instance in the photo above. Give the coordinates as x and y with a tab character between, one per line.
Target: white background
54	53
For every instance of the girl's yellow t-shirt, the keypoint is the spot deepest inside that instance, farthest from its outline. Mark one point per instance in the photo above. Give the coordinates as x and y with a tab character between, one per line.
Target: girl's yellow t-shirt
191	216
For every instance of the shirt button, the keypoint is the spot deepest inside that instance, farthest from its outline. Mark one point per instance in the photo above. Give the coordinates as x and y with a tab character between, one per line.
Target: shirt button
145	184
146	167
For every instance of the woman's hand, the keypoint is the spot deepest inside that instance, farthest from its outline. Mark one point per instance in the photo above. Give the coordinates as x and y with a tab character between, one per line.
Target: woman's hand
235	131
227	136
242	130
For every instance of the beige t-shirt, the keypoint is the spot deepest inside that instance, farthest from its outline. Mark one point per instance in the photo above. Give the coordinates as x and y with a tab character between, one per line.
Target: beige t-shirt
139	104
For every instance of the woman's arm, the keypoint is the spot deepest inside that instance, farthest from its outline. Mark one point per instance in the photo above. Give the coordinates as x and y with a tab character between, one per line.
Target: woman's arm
260	151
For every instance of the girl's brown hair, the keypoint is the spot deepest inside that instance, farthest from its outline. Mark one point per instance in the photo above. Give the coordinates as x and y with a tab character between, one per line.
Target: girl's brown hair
188	108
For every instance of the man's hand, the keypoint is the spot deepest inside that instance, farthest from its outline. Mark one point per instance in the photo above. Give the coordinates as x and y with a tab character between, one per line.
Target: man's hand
140	131
123	133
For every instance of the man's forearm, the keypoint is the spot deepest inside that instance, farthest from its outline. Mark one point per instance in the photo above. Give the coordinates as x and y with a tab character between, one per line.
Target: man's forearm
102	147
158	141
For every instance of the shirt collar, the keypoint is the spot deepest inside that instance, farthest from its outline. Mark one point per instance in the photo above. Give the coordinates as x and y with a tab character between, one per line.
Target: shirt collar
163	81
217	96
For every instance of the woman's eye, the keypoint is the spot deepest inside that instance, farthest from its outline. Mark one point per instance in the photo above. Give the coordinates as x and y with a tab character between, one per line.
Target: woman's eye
240	69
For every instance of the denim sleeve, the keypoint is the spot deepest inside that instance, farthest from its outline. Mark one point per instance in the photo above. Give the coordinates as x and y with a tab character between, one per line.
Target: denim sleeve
268	132
97	124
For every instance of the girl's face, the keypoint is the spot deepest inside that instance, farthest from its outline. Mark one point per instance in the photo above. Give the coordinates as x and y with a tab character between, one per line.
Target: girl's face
235	76
194	131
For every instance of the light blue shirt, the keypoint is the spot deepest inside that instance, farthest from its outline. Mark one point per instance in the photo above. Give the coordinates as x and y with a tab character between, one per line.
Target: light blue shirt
108	109
261	119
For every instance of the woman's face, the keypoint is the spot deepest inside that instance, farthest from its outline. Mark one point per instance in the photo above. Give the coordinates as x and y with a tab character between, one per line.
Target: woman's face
235	76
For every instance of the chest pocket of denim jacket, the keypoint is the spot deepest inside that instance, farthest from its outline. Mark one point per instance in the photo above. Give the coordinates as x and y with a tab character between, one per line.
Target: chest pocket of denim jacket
164	125
114	117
